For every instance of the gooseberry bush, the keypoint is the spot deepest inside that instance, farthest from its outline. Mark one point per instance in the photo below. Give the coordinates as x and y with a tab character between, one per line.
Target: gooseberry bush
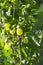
19	41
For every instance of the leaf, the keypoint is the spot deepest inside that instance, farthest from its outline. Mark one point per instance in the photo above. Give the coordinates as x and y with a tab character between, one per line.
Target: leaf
1	42
35	41
24	52
7	53
34	19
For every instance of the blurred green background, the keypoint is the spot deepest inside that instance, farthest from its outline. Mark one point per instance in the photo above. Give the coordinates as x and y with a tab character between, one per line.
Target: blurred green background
24	47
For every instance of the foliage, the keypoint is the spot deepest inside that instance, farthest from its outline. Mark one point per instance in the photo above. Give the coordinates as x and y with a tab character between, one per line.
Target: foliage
20	38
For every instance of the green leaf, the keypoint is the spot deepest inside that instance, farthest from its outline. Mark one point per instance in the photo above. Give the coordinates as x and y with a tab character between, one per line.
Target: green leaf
7	53
24	52
1	42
